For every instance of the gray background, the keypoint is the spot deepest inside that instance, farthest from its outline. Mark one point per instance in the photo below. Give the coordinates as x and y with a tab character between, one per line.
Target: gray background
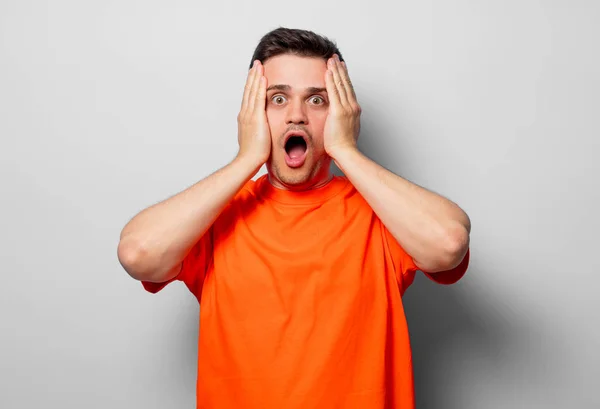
108	107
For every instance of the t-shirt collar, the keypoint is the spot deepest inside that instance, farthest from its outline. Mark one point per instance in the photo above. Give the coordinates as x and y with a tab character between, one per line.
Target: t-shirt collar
265	189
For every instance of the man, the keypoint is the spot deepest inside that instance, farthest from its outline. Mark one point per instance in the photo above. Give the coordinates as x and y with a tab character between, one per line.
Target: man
300	273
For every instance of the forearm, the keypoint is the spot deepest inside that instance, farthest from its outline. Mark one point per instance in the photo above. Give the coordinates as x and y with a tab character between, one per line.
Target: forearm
157	239
433	230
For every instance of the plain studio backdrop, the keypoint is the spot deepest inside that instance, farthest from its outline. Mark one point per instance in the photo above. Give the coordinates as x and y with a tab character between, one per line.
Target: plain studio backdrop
108	107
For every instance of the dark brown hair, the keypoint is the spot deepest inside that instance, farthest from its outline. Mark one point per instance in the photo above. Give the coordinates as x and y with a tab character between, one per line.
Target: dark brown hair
294	41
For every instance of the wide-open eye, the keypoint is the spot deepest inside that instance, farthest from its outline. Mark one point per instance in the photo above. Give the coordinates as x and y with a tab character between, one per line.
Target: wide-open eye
317	100
278	99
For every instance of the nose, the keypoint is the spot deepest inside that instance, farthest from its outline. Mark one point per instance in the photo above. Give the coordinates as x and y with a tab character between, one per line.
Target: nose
296	113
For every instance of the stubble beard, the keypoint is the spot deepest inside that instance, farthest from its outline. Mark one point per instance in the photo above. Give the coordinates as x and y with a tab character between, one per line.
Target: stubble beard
293	177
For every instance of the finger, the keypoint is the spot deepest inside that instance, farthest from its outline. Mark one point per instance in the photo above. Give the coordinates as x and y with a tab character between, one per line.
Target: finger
254	88
248	86
261	95
344	81
337	79
332	92
348	83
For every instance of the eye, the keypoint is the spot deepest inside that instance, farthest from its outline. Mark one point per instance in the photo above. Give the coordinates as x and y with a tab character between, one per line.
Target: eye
278	99
317	100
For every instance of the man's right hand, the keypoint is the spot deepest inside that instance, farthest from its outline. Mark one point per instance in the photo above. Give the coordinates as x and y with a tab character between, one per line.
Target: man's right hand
254	136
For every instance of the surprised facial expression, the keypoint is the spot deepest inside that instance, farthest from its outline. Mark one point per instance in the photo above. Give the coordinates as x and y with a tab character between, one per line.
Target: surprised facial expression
297	107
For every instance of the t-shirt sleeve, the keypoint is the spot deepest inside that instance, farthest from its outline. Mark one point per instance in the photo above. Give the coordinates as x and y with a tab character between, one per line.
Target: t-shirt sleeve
405	267
194	267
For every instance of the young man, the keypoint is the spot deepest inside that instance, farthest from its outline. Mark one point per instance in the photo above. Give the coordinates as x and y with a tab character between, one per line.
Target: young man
300	273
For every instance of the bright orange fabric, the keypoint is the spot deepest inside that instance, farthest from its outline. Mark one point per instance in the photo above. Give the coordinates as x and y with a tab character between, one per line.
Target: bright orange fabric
300	303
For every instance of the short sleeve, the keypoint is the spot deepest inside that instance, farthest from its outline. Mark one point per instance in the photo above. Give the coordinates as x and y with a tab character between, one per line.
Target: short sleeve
193	270
405	267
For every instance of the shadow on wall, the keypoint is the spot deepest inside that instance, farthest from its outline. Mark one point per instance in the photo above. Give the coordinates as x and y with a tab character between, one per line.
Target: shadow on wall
444	332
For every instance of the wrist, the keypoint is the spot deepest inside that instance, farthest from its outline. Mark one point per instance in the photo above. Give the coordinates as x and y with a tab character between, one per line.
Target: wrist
341	151
250	162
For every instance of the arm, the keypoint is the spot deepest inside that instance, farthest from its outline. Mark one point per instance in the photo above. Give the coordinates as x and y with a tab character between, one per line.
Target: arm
154	243
433	230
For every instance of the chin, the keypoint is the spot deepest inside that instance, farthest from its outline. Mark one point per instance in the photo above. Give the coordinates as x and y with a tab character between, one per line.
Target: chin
295	180
298	176
293	177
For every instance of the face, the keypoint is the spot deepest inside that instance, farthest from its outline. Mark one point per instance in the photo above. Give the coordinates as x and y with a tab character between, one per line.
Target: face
297	107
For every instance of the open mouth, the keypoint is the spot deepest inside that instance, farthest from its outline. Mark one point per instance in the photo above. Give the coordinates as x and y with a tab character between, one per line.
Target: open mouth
295	146
295	149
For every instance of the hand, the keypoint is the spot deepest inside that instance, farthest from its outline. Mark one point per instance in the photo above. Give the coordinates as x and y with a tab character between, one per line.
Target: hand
342	126
254	136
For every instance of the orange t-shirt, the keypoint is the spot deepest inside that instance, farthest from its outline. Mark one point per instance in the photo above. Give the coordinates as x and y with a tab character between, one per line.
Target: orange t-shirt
300	303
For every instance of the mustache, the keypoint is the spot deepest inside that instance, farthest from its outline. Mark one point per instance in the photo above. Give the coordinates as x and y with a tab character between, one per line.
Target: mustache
297	128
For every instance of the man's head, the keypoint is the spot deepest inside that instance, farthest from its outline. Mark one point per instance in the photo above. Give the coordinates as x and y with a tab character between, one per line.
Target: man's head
295	62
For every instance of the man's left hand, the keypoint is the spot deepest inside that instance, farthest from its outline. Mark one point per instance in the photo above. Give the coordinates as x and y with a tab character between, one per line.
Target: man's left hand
342	125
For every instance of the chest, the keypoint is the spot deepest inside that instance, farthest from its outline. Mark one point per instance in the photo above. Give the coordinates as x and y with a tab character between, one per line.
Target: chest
319	260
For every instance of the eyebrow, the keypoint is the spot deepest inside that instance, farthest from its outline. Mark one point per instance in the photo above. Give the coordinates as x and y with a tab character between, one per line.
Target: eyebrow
281	87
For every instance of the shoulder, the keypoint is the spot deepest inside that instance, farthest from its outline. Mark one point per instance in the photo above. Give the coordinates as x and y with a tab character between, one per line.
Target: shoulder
238	208
245	201
353	197
245	198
